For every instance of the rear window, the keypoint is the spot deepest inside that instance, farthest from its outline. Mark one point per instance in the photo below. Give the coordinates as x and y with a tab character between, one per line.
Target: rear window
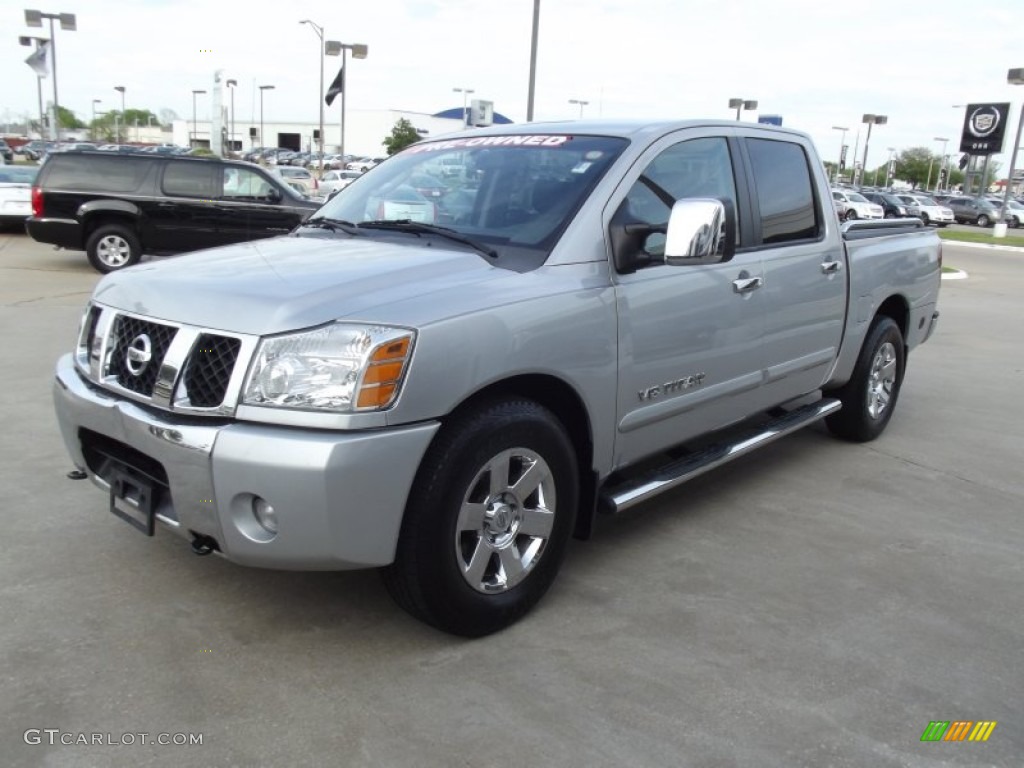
95	174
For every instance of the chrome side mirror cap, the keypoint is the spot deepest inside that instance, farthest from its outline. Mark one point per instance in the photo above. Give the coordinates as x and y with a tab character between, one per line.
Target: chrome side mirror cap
700	231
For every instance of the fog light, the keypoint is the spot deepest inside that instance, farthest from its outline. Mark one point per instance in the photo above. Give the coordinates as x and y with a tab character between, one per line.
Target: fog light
265	515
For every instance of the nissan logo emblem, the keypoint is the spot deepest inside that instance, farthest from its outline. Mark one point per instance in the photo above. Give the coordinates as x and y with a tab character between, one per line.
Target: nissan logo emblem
139	353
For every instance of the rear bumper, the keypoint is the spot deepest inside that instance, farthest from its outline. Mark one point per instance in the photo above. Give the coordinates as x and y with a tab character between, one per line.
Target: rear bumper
339	496
65	233
931	326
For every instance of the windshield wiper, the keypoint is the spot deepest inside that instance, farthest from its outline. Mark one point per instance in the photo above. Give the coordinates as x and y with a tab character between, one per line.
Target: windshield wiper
335	225
419	228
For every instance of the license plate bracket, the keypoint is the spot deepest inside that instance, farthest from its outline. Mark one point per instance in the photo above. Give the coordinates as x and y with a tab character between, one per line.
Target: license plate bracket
131	499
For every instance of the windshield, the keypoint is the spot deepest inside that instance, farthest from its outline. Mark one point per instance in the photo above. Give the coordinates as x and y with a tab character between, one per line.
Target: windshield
855	198
509	192
926	200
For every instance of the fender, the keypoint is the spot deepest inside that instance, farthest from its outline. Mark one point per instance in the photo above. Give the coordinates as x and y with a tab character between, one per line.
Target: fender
108	206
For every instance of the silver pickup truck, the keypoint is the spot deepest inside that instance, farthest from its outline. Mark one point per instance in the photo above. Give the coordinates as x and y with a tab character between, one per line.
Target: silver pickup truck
448	376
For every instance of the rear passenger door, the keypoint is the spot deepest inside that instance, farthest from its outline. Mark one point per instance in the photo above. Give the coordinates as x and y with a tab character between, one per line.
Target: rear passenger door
184	217
804	267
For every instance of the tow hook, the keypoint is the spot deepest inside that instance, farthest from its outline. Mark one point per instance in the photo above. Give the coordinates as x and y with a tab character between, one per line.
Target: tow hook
76	474
203	545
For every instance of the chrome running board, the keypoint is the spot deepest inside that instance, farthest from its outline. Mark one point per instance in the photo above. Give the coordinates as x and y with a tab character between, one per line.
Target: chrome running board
636	490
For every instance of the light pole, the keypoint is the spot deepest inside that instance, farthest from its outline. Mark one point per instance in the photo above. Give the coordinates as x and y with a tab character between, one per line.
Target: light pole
889	168
842	148
739	104
28	40
67	22
942	159
121	90
465	95
870	120
94	103
262	89
320	35
195	130
359	51
533	61
231	84
1013	77
582	104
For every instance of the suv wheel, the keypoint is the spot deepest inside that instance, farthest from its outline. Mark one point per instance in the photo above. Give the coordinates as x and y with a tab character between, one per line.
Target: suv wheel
851	215
983	220
112	247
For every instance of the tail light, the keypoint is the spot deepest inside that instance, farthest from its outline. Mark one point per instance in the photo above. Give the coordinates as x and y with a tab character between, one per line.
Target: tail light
37	202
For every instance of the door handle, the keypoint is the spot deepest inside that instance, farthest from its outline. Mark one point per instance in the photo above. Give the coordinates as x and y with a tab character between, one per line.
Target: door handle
746	284
831	267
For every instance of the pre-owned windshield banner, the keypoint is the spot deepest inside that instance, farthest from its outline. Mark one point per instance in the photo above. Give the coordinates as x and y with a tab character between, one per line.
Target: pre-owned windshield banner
534	140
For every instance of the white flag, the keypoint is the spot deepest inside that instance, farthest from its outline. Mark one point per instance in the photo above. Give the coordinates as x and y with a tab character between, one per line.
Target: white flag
40	60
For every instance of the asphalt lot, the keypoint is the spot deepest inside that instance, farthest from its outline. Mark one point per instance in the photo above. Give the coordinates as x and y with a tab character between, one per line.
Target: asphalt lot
817	604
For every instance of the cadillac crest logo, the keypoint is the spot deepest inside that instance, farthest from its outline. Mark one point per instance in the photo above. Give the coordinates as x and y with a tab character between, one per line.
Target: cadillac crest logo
984	126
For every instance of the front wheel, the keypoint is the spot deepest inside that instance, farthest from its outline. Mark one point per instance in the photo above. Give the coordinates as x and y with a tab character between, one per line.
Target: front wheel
869	397
488	519
1014	222
112	247
851	215
925	219
983	220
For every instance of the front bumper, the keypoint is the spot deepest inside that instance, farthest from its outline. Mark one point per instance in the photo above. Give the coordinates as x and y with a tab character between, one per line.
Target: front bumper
339	496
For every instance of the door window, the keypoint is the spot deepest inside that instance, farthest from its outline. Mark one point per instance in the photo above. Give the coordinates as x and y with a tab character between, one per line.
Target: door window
782	177
694	168
190	179
243	184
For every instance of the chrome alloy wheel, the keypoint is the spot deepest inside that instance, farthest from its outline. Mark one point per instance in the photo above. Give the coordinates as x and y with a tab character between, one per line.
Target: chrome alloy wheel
882	380
505	520
113	250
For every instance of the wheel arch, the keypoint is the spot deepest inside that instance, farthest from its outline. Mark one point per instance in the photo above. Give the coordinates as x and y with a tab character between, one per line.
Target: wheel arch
562	399
94	217
897	308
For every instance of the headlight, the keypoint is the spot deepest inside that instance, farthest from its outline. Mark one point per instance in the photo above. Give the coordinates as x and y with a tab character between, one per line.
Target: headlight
338	367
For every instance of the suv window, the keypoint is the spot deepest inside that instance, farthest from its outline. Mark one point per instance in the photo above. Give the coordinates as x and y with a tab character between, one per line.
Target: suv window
243	184
189	179
787	203
95	174
694	168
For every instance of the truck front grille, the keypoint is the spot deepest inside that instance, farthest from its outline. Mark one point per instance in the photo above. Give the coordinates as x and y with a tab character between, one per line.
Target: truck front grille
209	369
150	341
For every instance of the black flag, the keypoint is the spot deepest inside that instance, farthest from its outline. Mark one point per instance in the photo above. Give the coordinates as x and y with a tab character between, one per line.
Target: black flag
335	88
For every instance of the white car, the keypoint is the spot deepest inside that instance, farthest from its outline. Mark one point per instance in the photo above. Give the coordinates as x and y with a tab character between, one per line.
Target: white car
853	205
297	177
927	210
16	194
333	181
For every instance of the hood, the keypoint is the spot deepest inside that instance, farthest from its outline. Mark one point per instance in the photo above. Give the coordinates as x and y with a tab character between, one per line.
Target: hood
287	283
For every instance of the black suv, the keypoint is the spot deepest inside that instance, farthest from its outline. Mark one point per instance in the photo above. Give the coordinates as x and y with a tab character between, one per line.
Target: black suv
893	207
117	207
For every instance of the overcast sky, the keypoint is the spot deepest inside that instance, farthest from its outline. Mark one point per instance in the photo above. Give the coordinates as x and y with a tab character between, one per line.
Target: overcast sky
818	64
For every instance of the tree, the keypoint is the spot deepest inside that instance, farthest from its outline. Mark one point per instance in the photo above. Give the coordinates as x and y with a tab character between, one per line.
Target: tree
66	118
402	135
103	127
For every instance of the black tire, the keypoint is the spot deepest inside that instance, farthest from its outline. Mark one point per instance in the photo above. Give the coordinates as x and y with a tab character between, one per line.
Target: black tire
112	247
983	220
925	219
433	575
942	226
1014	222
851	215
860	420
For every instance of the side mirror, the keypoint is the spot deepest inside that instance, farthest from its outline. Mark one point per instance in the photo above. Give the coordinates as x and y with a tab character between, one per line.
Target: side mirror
700	231
275	195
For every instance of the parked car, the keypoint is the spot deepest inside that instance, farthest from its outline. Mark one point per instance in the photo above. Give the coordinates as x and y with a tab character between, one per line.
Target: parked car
6	152
16	194
852	205
333	181
453	403
1014	211
892	206
973	210
361	164
299	176
36	149
118	207
928	210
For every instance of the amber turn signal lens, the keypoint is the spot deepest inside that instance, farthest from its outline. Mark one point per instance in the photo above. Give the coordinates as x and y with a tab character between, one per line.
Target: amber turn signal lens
382	373
375	397
392	350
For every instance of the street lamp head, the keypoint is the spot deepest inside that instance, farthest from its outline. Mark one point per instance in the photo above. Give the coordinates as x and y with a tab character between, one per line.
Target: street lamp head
750	105
33	19
839	128
67	21
1015	76
231	83
359	50
197	92
266	87
939	138
333	47
120	88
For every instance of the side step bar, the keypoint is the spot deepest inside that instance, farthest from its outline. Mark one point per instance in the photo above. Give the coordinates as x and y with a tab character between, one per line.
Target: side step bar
636	490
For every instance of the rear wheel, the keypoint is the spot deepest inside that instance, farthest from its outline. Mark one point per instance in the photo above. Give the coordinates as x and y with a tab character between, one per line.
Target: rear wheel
488	519
870	395
925	219
983	220
112	247
1015	222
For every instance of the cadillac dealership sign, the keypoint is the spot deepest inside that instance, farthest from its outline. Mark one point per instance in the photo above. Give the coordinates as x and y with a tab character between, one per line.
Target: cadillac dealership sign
984	125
